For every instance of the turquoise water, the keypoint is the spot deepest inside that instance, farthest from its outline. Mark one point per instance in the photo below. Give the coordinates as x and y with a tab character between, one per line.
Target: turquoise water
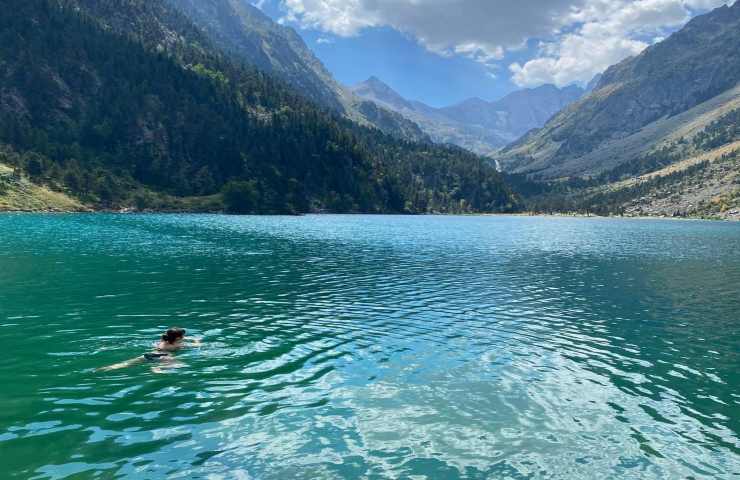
360	347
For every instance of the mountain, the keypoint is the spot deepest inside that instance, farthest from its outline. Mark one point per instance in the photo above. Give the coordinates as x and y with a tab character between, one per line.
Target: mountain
243	31
476	124
681	84
376	90
591	86
126	103
659	135
517	113
240	28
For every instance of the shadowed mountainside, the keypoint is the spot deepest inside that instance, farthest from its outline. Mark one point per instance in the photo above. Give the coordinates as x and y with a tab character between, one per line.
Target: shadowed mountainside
243	31
124	103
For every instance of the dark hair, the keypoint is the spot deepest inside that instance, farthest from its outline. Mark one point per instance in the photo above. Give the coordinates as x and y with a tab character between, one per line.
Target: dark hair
173	334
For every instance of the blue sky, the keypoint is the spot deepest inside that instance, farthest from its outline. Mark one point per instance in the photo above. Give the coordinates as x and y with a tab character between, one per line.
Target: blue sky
444	51
400	61
409	68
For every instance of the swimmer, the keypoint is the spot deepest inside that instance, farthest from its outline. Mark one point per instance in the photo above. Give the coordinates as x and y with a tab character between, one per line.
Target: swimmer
172	340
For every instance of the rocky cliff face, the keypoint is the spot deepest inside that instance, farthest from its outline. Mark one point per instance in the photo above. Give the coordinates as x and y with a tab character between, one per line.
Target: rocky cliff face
686	70
476	124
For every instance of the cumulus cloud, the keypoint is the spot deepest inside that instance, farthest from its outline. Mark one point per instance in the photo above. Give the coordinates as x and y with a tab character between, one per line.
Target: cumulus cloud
605	32
575	58
480	29
577	38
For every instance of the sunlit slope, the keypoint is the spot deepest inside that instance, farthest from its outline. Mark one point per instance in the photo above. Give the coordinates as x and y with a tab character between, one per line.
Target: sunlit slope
541	160
17	193
671	89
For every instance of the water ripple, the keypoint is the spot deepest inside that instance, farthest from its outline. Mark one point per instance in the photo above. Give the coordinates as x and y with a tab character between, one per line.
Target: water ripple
371	347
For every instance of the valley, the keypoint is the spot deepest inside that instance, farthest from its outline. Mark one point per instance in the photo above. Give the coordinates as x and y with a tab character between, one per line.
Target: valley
237	114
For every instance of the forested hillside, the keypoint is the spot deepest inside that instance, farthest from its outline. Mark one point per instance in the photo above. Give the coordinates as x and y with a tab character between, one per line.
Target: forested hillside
122	103
242	31
696	178
239	28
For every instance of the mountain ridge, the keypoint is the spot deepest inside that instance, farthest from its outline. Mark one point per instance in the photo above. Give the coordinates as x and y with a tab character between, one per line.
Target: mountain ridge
244	32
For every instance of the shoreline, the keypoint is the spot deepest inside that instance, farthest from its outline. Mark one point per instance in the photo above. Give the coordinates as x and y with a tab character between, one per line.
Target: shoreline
91	211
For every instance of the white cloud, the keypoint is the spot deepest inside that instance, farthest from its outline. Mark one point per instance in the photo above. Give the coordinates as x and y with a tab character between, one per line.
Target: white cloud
343	18
479	29
576	58
605	32
579	38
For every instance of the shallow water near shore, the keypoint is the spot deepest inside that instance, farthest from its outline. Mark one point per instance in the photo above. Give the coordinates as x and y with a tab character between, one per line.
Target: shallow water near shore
370	347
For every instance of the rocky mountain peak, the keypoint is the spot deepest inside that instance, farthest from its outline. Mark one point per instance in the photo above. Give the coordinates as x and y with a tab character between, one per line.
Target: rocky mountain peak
375	89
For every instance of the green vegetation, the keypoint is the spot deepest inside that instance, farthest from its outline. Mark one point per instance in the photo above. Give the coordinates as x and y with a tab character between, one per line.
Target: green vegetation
124	119
18	192
241	196
715	207
611	202
650	162
720	132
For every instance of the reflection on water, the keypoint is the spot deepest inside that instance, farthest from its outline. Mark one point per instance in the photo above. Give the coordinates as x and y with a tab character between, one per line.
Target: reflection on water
371	347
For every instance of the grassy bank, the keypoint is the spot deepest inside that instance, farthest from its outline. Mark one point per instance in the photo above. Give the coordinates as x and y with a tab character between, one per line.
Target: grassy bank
17	193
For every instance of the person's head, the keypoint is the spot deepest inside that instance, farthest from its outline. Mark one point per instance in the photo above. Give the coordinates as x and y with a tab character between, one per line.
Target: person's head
173	335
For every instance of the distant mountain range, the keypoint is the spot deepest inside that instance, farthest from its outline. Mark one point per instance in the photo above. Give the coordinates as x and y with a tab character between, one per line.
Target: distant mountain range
476	124
242	30
245	33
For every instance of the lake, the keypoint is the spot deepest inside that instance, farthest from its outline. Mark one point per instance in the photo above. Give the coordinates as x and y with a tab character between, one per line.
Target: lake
370	347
